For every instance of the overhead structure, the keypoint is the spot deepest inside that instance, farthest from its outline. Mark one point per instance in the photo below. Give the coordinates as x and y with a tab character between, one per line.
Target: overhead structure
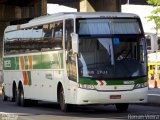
20	11
90	5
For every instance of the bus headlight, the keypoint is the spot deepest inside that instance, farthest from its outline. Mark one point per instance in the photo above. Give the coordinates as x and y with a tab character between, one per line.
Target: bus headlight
86	86
140	85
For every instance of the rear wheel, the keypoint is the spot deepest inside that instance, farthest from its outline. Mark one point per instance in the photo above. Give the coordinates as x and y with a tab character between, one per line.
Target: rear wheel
14	94
122	107
17	97
23	102
63	105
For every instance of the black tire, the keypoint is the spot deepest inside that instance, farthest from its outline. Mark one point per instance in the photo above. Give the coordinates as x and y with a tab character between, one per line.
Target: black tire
14	94
64	107
23	101
17	100
4	97
122	107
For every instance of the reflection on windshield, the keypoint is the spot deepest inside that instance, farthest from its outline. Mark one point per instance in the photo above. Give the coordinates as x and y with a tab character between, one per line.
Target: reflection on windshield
98	58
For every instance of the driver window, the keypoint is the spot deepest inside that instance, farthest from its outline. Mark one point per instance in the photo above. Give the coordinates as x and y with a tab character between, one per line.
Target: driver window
68	31
71	59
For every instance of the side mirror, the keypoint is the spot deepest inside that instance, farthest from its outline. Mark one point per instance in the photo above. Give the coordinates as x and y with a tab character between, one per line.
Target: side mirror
75	43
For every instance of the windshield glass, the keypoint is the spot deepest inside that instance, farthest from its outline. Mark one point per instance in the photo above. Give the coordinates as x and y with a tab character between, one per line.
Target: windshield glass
106	58
108	26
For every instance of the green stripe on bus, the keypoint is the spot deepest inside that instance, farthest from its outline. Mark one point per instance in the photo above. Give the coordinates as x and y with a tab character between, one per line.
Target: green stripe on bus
29	78
36	61
40	61
87	81
26	62
111	82
16	63
61	56
141	80
47	61
52	61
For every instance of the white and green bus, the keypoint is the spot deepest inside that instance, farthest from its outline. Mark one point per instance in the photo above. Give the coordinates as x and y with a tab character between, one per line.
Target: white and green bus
71	59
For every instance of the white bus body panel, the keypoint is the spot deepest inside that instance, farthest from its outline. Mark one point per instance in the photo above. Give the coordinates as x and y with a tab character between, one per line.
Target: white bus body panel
97	97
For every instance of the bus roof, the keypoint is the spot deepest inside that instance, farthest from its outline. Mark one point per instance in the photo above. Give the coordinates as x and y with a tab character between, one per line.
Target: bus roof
60	16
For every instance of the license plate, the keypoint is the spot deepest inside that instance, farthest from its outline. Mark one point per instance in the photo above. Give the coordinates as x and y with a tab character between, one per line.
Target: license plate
115	96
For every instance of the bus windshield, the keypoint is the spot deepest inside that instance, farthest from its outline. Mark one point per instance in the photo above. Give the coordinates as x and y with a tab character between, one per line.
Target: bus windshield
100	58
99	53
104	27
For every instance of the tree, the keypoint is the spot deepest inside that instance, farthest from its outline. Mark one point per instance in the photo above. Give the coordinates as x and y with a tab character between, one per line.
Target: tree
155	13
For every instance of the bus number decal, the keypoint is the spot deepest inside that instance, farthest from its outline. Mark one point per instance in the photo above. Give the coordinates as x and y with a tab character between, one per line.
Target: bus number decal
7	63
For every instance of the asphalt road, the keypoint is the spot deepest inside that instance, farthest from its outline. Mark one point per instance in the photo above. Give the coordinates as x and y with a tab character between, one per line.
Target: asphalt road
50	111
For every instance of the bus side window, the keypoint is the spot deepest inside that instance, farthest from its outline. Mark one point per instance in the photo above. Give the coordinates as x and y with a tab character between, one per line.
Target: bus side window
58	35
10	43
11	47
47	31
68	31
58	29
47	41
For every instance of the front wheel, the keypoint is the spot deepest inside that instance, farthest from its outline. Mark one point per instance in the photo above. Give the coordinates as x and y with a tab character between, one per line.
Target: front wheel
63	105
122	107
